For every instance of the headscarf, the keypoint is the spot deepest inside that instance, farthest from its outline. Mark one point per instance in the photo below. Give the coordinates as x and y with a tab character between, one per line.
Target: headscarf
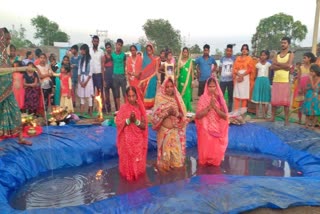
212	123
162	104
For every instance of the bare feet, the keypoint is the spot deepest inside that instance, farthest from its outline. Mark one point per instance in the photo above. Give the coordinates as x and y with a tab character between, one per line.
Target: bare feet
25	142
270	120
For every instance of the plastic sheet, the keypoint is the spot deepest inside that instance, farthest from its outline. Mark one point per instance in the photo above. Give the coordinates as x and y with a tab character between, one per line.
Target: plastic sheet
62	147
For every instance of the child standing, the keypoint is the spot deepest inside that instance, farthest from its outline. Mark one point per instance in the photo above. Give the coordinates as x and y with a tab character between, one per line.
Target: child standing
302	79
169	66
74	61
18	89
85	84
262	89
311	104
66	88
32	91
55	67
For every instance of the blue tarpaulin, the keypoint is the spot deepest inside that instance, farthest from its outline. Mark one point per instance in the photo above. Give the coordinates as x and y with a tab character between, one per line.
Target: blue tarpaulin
69	146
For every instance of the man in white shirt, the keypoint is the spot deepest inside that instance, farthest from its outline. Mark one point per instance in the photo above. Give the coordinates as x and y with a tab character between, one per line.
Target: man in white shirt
225	70
96	66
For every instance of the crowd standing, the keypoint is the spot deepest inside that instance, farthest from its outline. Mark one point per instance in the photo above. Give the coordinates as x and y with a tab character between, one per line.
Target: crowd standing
161	85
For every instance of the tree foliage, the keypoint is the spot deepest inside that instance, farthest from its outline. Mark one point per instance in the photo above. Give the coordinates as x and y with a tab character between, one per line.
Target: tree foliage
195	49
270	31
161	33
18	38
48	31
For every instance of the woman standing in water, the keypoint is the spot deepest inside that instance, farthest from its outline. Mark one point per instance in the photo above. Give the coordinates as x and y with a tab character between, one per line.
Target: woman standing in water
169	120
132	136
212	124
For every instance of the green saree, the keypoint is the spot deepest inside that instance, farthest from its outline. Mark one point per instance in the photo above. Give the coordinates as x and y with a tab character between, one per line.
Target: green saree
185	84
10	116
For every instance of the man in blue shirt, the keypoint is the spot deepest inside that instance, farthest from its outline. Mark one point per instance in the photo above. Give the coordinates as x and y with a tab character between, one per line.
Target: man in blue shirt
205	65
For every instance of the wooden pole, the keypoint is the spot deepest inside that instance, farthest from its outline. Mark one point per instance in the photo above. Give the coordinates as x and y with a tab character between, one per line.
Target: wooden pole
316	28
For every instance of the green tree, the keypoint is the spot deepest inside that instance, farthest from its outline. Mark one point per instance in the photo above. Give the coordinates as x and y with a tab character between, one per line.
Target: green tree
48	31
270	31
163	35
18	38
195	49
218	52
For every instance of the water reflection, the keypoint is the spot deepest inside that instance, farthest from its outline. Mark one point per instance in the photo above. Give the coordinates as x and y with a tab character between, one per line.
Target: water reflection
88	184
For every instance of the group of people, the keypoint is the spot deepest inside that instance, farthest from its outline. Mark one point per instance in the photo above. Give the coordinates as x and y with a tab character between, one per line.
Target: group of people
169	119
245	79
163	85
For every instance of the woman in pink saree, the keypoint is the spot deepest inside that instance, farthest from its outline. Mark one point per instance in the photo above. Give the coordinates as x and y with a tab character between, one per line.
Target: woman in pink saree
169	120
212	124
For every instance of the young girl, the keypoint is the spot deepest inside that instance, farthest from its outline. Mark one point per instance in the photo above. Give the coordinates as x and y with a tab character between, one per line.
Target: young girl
32	92
262	89
311	104
169	66
85	84
302	79
66	88
55	67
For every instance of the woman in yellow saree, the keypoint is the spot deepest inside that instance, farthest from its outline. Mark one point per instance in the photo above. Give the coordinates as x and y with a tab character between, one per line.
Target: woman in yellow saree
169	120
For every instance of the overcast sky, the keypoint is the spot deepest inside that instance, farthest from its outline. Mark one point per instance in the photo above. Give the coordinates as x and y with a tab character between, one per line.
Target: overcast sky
199	21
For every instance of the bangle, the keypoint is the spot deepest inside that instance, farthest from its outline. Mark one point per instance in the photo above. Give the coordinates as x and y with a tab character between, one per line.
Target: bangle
138	122
127	121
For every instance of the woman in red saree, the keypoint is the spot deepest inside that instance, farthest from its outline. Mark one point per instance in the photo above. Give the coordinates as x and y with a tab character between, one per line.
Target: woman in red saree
169	120
133	67
132	136
212	124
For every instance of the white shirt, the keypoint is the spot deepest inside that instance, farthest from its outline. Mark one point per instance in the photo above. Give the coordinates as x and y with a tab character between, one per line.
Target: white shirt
263	70
95	63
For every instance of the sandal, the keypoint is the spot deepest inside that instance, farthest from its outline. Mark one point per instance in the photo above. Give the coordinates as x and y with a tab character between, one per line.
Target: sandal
25	142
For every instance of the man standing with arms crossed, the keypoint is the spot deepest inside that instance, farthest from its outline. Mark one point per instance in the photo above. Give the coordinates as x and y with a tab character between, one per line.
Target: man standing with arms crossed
280	93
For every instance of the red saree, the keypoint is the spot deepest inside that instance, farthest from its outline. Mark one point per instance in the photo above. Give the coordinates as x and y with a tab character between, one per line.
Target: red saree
134	67
212	130
132	142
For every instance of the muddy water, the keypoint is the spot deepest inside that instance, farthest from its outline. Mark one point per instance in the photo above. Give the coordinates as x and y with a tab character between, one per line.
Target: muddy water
98	181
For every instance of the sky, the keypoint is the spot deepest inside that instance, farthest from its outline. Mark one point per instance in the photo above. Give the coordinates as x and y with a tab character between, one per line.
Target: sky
216	23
